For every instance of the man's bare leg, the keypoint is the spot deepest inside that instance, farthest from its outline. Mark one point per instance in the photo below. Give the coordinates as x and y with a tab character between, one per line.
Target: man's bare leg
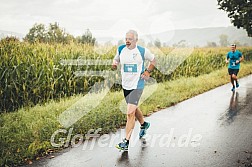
139	116
232	80
131	111
235	78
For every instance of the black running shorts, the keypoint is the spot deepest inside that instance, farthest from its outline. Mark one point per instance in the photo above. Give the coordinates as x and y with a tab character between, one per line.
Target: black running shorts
233	71
132	96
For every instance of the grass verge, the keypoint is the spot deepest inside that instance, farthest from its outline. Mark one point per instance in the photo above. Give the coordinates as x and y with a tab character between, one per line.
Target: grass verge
25	134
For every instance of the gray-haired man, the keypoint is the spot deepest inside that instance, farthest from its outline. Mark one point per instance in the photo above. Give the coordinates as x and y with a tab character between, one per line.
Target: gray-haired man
131	57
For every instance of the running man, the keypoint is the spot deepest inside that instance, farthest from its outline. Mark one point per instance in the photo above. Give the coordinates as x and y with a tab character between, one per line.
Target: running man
131	57
234	57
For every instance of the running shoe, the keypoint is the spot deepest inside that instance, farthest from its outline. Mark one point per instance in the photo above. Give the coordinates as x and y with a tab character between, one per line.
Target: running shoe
237	85
143	129
124	145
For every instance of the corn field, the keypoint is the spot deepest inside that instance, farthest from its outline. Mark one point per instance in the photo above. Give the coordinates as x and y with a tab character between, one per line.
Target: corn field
33	73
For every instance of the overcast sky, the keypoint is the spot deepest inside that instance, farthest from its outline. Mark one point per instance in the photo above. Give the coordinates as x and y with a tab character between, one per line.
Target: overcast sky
111	17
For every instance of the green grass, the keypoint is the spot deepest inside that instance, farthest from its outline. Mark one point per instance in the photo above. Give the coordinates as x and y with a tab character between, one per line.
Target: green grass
26	134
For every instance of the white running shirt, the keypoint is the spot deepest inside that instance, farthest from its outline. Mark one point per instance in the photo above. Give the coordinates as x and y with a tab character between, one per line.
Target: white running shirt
132	66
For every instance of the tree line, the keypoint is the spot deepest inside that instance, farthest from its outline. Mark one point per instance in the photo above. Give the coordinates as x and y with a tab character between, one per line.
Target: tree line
55	34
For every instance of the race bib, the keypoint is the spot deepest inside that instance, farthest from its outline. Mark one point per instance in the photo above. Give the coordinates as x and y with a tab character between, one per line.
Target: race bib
233	62
130	68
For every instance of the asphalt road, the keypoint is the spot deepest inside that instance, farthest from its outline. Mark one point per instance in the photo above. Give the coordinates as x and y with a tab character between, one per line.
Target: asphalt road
212	129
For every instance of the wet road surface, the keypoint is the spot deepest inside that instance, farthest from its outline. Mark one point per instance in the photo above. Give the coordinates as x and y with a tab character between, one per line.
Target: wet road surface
211	129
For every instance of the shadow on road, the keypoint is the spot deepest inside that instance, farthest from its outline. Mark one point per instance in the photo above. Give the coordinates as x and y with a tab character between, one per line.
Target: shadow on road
124	159
233	110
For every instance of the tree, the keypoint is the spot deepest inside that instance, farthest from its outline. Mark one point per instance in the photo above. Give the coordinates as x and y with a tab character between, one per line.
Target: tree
157	43
240	13
181	44
68	38
36	34
211	44
223	40
87	38
55	33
